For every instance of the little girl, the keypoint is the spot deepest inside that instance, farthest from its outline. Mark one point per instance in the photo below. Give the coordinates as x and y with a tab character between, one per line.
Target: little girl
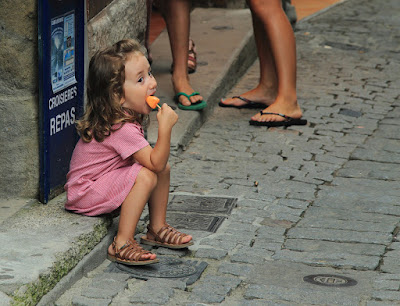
113	167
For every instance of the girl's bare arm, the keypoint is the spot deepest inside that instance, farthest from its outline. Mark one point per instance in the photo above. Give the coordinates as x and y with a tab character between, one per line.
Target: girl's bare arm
156	159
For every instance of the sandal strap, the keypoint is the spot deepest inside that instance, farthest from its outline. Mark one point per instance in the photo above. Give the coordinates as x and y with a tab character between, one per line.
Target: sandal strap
169	234
277	114
243	99
131	250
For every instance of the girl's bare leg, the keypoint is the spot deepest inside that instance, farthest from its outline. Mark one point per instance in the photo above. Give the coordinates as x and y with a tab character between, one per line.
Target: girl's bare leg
132	208
177	17
158	203
283	48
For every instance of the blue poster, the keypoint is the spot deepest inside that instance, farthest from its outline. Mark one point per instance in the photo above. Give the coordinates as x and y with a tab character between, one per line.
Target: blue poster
62	51
61	88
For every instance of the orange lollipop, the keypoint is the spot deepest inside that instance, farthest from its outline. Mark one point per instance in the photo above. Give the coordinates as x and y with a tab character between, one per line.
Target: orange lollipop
152	101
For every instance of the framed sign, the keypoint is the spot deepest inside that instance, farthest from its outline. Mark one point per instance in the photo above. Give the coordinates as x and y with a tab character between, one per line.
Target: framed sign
61	29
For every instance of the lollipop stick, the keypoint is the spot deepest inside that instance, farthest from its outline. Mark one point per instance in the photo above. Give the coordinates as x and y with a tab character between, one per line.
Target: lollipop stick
159	107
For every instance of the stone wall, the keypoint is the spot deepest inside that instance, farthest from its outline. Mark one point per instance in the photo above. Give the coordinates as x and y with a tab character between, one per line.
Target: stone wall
19	132
121	19
19	153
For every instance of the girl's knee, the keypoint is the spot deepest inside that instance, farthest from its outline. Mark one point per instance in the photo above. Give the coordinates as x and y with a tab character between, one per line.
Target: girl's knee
147	177
167	170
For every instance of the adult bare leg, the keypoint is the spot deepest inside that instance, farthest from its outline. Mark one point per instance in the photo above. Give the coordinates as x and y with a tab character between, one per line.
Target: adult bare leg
177	17
266	90
283	48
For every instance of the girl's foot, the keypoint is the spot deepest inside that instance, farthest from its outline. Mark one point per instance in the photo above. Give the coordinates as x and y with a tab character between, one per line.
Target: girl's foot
256	95
130	253
291	109
166	236
181	84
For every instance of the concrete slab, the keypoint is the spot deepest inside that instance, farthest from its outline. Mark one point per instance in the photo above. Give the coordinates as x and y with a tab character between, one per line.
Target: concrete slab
10	206
225	46
41	244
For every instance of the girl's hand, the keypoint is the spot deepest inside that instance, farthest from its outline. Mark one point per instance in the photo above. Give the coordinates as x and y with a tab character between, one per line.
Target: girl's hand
166	117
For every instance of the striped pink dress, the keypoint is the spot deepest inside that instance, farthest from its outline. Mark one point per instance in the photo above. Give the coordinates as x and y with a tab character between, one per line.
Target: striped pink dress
101	174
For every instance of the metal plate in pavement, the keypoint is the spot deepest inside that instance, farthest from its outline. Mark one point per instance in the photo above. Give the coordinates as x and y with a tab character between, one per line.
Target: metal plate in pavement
168	267
194	221
330	280
202	204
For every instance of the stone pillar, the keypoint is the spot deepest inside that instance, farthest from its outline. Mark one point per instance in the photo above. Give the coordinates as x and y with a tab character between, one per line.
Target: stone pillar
19	125
19	141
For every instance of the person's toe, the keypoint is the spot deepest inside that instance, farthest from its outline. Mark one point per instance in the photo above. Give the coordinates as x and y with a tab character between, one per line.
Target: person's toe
187	239
150	256
184	101
196	98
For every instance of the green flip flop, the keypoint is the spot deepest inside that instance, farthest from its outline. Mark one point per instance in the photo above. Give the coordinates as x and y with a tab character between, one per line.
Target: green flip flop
194	106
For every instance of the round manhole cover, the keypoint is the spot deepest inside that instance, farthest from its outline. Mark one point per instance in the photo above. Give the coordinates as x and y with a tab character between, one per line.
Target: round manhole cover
330	280
167	268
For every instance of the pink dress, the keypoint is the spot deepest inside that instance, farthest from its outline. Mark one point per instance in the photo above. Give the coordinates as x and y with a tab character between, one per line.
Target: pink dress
102	174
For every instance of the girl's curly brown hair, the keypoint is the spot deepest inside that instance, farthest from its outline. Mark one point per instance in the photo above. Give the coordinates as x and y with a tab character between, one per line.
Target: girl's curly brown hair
105	82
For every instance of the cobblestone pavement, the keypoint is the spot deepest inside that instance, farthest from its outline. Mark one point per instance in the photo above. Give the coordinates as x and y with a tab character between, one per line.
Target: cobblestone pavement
318	199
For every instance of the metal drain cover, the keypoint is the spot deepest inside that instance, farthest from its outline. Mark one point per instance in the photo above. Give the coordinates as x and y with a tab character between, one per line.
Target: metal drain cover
167	267
199	212
195	221
330	280
201	204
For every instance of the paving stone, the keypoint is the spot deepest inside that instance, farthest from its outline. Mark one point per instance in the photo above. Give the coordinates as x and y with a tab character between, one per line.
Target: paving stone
261	302
387	295
102	293
339	235
257	204
297	204
5	300
379	303
388	131
211	253
392	285
320	246
266	244
271	233
250	255
84	301
345	214
294	295
213	289
368	155
148	295
390	265
339	260
235	269
353	225
371	170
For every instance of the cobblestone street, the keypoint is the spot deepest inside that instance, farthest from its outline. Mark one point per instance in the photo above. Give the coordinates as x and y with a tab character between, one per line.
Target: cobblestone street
317	199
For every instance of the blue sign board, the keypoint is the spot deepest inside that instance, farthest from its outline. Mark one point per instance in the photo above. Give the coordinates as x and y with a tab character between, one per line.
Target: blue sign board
61	88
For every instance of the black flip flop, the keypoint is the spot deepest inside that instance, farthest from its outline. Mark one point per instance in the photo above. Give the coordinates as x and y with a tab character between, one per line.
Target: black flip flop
249	104
288	122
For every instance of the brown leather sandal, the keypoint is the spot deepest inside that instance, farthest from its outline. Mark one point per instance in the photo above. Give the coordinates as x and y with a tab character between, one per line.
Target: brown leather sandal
167	237
130	254
192	58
